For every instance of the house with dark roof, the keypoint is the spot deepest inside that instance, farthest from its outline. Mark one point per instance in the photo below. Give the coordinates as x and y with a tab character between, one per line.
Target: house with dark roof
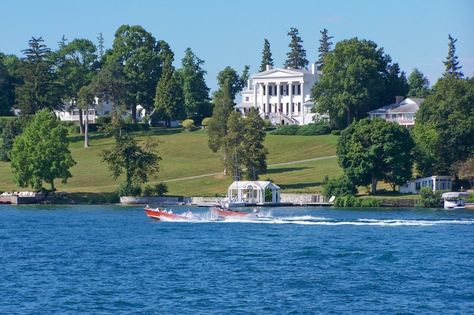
402	111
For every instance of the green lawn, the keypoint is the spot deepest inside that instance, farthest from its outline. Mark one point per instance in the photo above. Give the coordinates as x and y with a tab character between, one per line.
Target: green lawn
186	154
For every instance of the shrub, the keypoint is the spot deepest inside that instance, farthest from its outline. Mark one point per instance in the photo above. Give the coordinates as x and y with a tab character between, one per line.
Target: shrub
352	201
336	132
104	120
136	127
286	130
470	198
129	190
340	186
314	129
10	130
188	124
205	122
429	199
155	190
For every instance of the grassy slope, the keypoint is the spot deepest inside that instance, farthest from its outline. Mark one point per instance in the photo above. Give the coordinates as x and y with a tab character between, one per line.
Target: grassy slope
186	154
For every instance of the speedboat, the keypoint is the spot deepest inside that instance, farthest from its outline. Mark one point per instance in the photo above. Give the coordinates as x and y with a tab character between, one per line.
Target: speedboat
454	200
223	213
167	215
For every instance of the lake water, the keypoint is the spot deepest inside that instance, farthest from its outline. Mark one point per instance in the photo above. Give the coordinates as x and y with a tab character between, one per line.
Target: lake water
113	259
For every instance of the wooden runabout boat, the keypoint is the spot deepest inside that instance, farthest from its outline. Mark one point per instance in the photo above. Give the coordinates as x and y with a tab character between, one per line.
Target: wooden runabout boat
165	215
223	213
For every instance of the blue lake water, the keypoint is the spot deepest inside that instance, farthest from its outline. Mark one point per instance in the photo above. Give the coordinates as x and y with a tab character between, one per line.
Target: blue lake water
113	260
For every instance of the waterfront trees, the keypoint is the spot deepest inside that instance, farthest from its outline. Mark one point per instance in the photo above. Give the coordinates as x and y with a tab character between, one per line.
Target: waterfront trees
39	88
169	102
255	154
41	153
137	162
418	84
373	150
325	46
444	129
358	76
197	103
267	58
296	57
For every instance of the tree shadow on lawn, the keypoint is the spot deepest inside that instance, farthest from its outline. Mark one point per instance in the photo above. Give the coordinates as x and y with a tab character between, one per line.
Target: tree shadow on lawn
278	170
299	185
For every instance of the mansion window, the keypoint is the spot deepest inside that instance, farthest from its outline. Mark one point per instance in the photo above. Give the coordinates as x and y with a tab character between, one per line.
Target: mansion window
247	98
299	89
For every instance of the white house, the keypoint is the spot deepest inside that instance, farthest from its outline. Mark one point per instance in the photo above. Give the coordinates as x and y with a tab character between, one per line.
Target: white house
435	183
402	111
242	192
281	95
71	112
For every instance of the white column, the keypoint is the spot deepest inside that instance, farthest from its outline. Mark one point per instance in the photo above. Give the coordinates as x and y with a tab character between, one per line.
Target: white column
261	99
290	93
267	97
302	98
278	95
255	96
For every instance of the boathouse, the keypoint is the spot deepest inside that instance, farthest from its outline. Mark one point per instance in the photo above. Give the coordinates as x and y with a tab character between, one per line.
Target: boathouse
253	192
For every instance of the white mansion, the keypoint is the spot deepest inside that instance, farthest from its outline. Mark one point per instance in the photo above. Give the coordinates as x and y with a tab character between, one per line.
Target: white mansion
281	95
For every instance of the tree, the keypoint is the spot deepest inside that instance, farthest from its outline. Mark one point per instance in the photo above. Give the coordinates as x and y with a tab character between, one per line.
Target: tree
197	103
452	67
324	47
76	65
41	153
223	105
245	76
11	129
39	88
357	77
418	84
444	129
138	52
100	45
296	57
255	153
267	59
7	94
230	78
374	150
338	186
465	170
86	100
137	162
169	102
233	145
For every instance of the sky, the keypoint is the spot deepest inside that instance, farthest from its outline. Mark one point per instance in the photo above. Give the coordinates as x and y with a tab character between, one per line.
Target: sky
231	33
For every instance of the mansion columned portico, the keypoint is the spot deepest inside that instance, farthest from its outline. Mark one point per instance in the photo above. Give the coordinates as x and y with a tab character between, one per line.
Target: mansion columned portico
281	95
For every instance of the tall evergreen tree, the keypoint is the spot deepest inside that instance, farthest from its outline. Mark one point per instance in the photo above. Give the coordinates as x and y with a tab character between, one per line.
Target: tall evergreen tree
255	154
100	45
62	42
233	145
324	47
451	64
7	94
197	103
267	58
39	89
296	57
169	102
418	84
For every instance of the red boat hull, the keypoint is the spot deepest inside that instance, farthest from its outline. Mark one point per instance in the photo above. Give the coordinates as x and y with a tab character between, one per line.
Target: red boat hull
228	213
163	215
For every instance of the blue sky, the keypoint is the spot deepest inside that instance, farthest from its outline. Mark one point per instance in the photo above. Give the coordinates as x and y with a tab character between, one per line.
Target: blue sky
414	33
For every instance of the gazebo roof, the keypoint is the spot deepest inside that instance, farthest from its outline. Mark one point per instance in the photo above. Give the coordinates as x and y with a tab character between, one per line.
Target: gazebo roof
253	184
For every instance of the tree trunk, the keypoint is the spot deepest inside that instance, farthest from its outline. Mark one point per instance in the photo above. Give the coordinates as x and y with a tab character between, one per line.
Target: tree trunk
81	122
349	117
373	186
86	129
134	114
52	186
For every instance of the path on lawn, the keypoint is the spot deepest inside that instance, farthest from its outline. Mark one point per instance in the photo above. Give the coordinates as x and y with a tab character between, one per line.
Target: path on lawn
272	165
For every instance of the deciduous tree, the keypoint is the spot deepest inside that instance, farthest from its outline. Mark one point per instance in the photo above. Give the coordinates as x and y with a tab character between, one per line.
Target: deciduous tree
41	153
374	150
418	84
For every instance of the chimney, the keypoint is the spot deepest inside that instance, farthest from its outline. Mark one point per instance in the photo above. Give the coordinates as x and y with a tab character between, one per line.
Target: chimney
268	67
313	68
399	99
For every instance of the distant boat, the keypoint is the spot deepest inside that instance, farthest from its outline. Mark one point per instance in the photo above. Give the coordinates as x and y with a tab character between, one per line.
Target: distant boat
454	200
167	215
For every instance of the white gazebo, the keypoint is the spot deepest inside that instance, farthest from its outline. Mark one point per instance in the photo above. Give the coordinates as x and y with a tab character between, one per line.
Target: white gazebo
253	192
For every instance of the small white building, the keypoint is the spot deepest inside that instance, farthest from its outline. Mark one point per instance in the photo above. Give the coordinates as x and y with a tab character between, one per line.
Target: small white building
281	95
71	112
435	183
253	192
402	111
